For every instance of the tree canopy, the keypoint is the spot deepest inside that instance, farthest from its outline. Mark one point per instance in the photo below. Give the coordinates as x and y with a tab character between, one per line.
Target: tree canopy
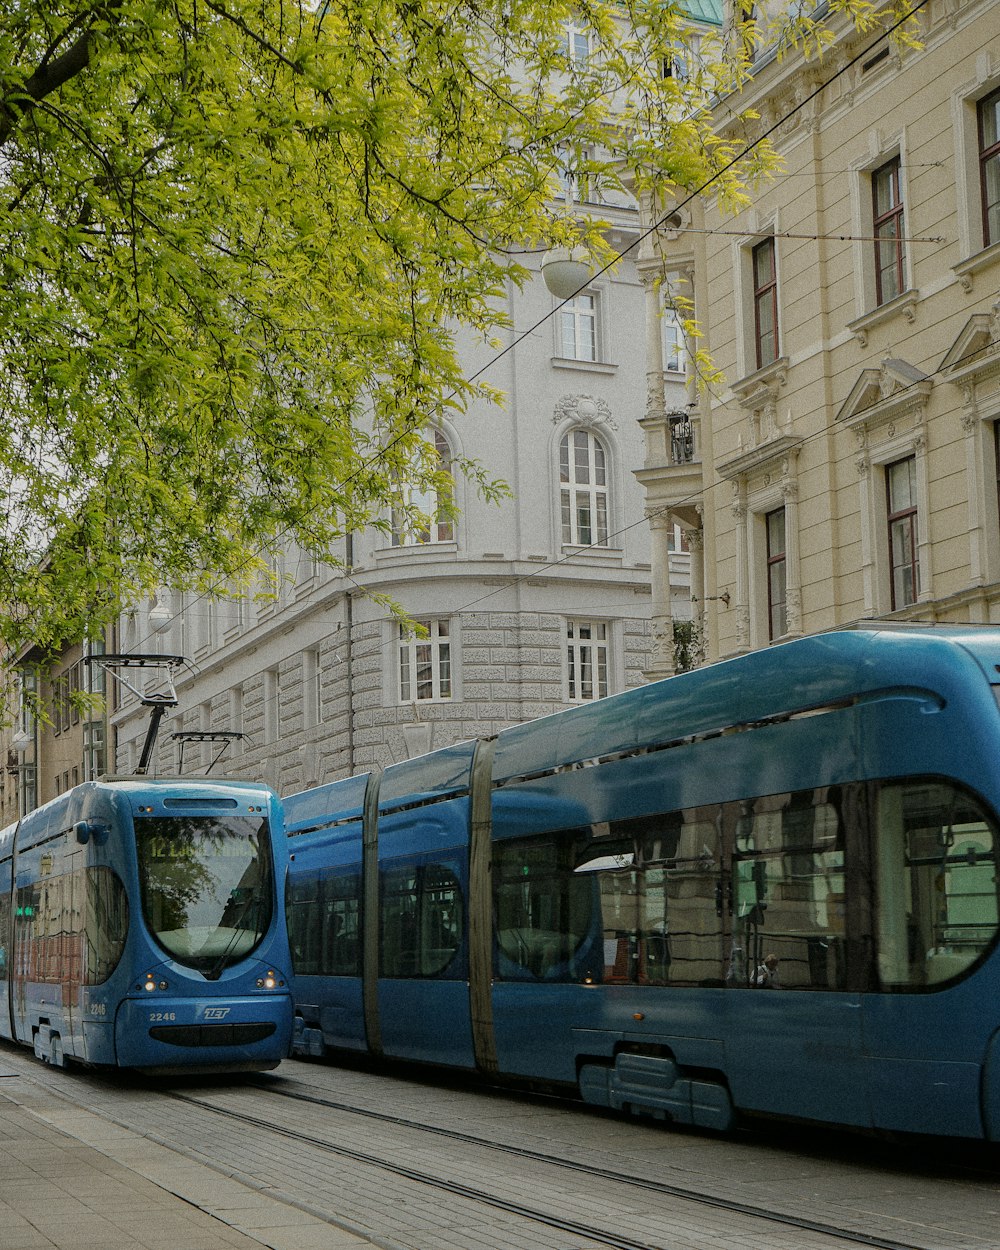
238	235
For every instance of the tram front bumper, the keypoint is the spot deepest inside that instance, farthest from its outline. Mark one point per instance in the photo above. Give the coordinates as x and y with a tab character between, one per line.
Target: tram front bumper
204	1032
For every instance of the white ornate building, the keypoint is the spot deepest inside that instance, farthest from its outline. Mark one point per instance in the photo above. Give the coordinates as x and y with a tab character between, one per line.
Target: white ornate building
531	605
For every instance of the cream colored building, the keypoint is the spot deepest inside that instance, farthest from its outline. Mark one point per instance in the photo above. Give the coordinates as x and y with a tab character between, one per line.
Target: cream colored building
847	466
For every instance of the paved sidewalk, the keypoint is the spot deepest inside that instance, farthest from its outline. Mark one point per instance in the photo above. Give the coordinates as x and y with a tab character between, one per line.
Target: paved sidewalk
70	1180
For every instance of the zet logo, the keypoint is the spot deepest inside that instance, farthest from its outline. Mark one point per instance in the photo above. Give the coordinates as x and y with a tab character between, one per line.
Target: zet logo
216	1013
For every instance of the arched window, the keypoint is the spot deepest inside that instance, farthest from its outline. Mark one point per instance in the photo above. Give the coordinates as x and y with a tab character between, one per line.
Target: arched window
583	478
426	517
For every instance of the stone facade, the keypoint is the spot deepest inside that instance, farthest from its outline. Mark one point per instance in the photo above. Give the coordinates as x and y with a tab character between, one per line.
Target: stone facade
849	468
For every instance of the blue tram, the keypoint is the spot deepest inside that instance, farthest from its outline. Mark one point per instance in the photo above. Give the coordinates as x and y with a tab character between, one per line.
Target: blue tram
769	886
140	927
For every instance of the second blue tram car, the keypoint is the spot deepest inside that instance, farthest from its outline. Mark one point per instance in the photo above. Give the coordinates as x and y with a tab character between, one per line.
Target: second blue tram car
141	927
768	886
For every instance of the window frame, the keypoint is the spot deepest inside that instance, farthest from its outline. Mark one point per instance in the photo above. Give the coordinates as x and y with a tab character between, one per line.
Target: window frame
893	218
777	564
765	295
675	355
590	654
438	643
575	318
986	157
438	529
594	490
908	518
570	37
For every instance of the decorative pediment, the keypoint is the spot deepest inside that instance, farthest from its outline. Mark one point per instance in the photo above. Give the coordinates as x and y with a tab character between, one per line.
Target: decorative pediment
586	410
759	391
895	390
771	455
975	354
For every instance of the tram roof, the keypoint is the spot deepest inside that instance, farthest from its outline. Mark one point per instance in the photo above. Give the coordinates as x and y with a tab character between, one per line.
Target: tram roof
787	678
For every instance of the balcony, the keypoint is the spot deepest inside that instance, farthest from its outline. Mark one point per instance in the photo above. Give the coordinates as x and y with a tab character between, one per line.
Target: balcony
672	472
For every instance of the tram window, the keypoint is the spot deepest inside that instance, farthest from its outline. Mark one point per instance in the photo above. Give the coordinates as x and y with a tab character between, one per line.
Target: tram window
682	890
341	926
106	923
788	890
936	868
304	925
422	919
546	911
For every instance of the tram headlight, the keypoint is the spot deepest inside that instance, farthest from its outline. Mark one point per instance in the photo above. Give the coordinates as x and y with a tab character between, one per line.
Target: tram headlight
149	984
268	982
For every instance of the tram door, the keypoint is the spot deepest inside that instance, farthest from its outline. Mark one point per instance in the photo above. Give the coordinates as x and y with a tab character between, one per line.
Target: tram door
423	981
794	1038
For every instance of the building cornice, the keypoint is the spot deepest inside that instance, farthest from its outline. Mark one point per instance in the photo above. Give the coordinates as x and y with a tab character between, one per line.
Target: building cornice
771	452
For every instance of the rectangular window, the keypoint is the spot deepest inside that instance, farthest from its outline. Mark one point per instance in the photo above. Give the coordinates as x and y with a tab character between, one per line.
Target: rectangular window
575	42
425	663
578	328
776	574
674	351
425	516
684	62
29	702
312	688
901	491
765	303
989	166
587	660
575	183
95	750
29	788
74	691
887	217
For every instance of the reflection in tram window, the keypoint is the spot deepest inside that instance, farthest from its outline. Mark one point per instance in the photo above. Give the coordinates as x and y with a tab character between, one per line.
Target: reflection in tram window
544	911
324	924
789	890
938	881
422	921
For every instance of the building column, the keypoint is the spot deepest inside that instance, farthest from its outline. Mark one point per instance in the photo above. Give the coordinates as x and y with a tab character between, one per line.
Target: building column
975	490
863	464
655	406
924	545
793	572
696	546
739	507
661	618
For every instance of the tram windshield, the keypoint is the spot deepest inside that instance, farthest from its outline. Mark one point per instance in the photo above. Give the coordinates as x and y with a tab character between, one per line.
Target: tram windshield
206	886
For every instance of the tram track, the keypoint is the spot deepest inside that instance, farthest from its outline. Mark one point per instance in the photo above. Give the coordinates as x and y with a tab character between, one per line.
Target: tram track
604	1237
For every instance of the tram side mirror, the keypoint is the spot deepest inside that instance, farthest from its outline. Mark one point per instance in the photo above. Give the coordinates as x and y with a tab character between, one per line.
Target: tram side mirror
87	829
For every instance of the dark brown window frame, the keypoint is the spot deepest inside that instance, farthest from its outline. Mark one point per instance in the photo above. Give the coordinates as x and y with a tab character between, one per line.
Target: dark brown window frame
765	294
890	220
907	516
774	560
986	155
